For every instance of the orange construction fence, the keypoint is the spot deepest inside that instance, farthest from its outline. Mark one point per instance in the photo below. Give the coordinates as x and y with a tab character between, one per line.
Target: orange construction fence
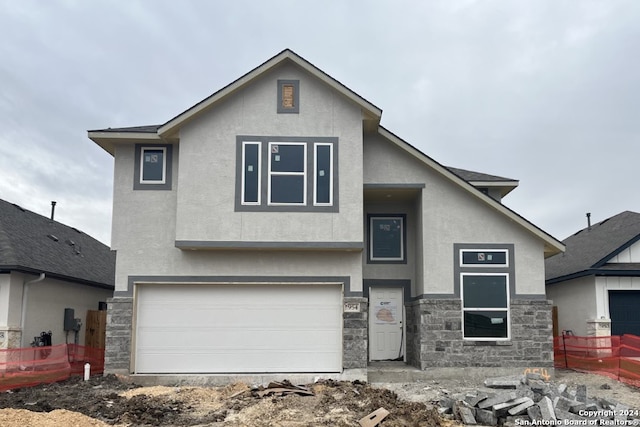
617	357
25	367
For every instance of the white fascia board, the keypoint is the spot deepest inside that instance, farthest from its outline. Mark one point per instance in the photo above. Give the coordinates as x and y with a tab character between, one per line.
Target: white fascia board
552	245
203	105
495	183
124	135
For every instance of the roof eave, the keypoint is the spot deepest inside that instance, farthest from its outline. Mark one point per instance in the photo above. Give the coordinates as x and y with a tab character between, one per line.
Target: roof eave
505	187
552	246
108	140
53	275
369	110
592	272
618	250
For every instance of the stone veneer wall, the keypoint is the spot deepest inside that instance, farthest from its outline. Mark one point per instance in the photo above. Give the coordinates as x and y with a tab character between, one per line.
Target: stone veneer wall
355	335
440	340
412	310
117	355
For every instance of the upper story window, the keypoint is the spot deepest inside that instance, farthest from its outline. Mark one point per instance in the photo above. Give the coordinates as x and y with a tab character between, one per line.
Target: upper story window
323	174
289	96
286	174
152	170
387	238
153	165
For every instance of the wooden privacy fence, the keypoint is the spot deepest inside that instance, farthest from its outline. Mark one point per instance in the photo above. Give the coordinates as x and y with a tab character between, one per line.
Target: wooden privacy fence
25	367
617	357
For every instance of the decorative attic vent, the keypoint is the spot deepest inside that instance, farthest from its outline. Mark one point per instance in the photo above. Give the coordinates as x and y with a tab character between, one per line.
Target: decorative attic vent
52	237
288	96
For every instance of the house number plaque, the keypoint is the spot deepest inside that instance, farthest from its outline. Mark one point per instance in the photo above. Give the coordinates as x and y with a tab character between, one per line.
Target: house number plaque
351	307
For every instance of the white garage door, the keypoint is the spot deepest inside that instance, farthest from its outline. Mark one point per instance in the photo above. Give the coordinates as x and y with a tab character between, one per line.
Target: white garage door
238	328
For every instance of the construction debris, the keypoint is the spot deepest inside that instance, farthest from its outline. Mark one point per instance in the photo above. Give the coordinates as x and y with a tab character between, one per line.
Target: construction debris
374	418
529	400
281	389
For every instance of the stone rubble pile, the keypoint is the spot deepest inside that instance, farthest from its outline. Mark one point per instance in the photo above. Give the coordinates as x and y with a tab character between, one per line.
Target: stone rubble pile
528	400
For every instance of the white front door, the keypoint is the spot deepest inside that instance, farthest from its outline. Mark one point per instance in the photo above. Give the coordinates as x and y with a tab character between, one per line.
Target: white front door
386	328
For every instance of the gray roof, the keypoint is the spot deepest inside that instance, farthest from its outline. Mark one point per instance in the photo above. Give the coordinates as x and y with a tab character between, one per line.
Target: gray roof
468	176
32	243
133	129
588	250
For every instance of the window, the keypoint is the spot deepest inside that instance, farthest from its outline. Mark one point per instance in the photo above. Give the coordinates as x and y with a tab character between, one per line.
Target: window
152	169
485	282
323	175
288	96
286	174
484	257
485	305
387	238
251	173
153	165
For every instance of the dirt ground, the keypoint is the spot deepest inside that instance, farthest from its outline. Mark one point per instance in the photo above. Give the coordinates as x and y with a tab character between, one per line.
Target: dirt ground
104	401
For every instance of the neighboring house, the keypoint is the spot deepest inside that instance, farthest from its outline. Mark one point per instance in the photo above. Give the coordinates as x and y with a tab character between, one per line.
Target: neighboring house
596	283
45	268
277	227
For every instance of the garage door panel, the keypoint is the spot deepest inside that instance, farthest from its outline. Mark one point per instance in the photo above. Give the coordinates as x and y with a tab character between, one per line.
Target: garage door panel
238	328
253	362
250	338
274	314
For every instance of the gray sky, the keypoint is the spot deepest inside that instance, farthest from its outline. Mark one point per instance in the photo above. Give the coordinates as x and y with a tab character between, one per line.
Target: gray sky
544	91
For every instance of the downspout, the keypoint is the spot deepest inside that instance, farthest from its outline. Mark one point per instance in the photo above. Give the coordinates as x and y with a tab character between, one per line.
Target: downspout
25	289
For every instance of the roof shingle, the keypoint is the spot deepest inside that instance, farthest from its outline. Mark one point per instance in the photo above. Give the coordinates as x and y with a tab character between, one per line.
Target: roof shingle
30	242
591	248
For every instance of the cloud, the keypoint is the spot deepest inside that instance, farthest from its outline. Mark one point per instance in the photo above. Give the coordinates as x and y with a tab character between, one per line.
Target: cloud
542	91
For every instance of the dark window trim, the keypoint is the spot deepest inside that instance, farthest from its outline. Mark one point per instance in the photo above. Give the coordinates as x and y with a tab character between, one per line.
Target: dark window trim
404	238
137	177
264	206
296	97
484	265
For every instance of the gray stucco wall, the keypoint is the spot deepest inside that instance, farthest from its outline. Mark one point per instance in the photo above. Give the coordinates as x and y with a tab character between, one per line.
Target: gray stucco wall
44	303
576	302
206	183
449	215
399	271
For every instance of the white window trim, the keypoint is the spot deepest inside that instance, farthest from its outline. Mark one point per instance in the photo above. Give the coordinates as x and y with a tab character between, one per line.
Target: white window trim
303	174
402	255
507	309
164	165
315	173
506	257
259	165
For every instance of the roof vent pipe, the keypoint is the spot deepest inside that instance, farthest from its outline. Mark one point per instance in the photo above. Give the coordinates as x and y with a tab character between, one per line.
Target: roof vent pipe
53	209
589	220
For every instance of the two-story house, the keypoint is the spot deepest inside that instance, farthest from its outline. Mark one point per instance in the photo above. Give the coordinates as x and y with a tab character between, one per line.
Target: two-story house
276	227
